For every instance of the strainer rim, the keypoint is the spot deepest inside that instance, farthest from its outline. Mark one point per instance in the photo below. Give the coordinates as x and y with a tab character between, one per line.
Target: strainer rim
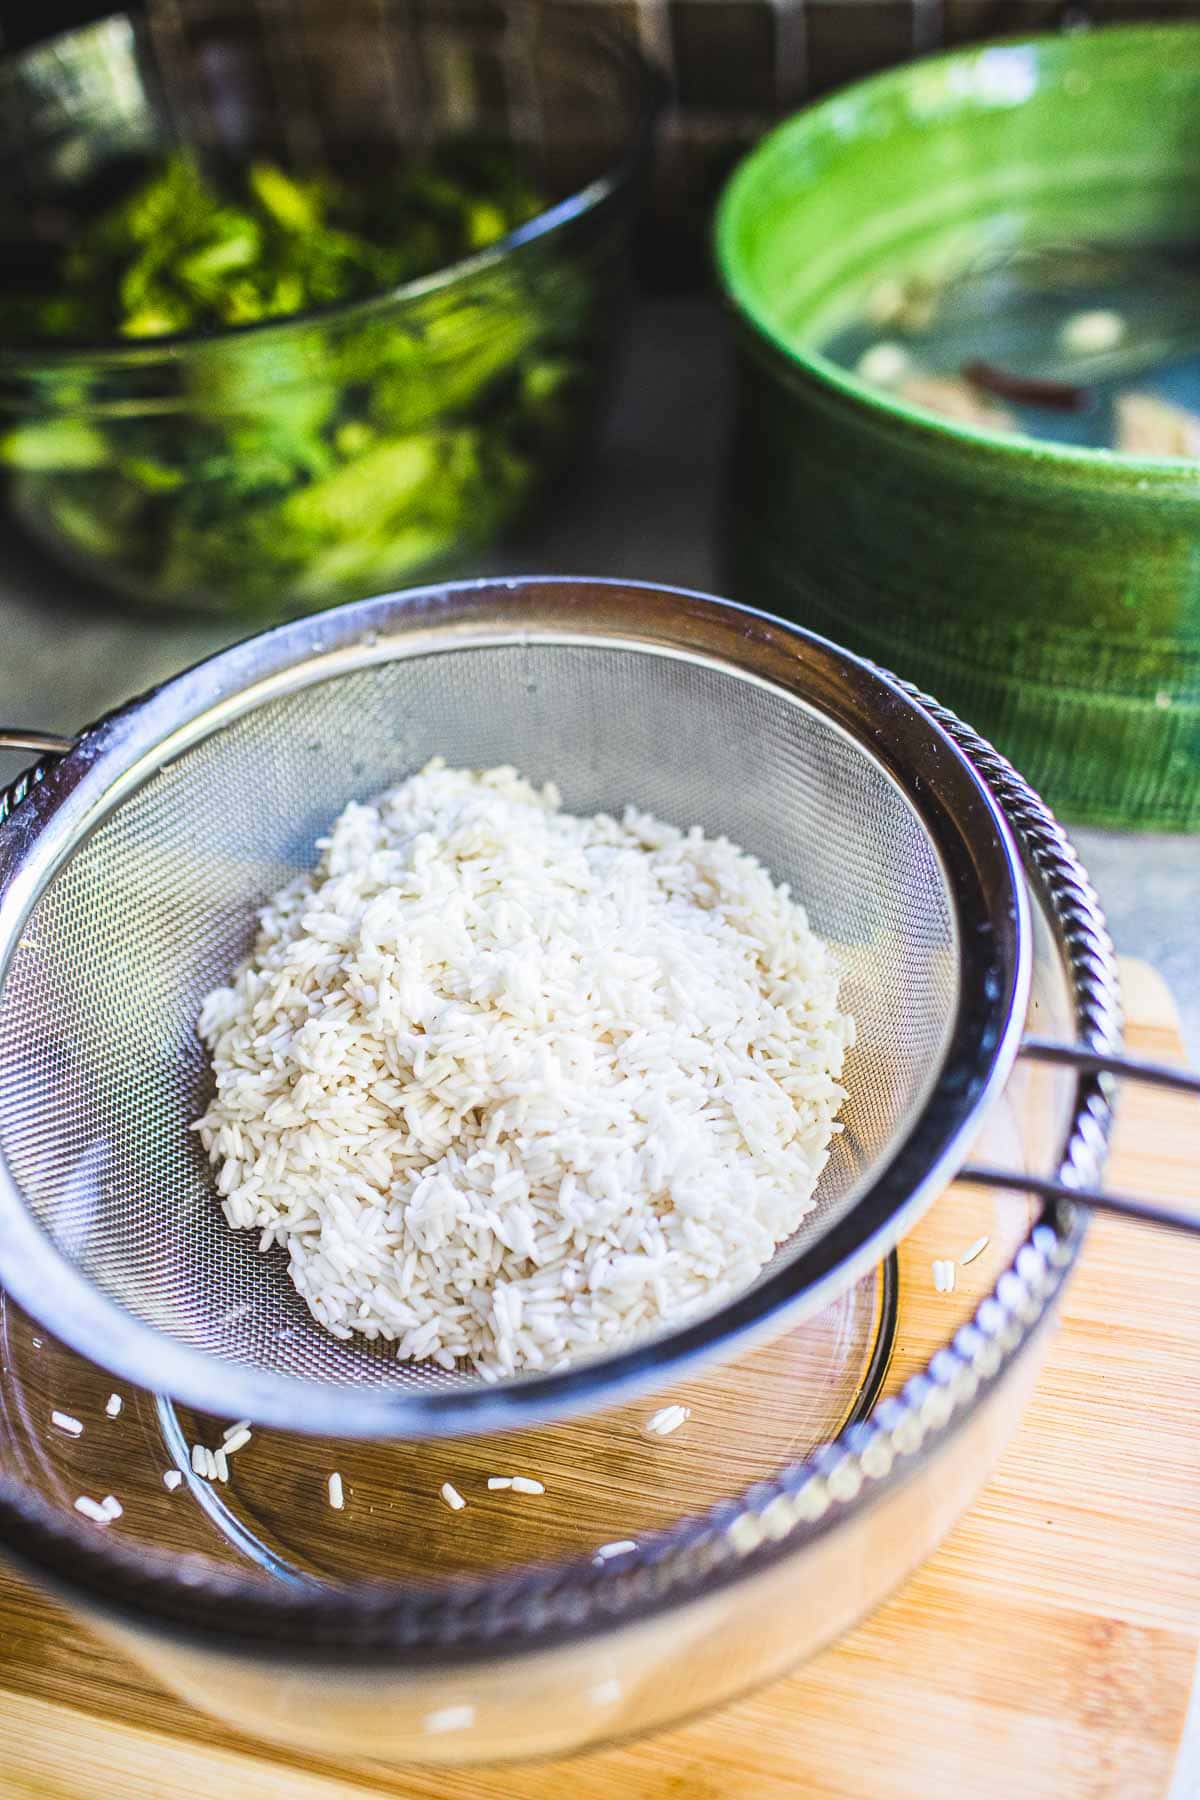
113	759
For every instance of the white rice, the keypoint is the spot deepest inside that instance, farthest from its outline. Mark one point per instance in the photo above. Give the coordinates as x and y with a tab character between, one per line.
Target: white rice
496	1482
337	1497
972	1251
452	1497
66	1423
112	1506
513	1087
619	1547
450	1718
525	1484
92	1509
235	1431
113	1405
944	1275
238	1441
668	1419
171	1479
221	1465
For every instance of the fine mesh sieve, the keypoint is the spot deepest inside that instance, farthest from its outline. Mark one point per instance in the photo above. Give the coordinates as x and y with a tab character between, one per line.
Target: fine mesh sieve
130	877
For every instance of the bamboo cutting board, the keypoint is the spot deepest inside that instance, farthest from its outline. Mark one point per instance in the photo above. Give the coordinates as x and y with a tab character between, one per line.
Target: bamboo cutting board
1049	1648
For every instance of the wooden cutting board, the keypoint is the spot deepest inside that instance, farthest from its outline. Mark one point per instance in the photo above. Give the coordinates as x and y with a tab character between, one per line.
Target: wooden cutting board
1049	1648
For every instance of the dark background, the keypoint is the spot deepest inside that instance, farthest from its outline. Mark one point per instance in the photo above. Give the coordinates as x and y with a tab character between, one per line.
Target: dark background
23	23
735	66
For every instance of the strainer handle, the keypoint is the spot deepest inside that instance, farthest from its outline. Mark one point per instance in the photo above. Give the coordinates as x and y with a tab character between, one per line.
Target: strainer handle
42	743
47	746
1182	1215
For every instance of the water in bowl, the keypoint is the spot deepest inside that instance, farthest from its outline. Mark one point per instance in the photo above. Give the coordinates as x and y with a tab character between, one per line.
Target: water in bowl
1090	345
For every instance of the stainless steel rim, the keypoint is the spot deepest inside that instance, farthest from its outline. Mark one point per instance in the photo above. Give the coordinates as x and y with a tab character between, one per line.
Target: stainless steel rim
965	824
514	1615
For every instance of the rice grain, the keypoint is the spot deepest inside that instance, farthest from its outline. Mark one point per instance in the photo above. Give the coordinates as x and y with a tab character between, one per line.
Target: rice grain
513	1086
668	1419
450	1718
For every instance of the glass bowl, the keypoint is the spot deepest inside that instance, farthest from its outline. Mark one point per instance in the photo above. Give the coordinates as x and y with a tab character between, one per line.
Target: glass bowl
641	1577
270	469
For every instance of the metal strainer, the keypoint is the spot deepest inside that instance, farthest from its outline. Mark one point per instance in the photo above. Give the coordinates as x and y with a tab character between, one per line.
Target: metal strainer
131	869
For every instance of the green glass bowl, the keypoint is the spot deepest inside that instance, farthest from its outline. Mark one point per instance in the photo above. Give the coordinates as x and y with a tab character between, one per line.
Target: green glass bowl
1051	594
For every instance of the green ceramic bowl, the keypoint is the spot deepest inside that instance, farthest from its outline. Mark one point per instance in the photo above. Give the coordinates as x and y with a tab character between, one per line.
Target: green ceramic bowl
1051	594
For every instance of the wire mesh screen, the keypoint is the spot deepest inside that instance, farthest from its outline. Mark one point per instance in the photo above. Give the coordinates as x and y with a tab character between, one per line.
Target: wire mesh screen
101	1072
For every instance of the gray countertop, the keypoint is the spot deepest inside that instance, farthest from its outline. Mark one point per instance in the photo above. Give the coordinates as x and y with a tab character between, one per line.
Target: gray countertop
645	510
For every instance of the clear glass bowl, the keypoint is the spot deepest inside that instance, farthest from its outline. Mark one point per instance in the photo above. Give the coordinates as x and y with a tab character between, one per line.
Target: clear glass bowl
417	424
654	1576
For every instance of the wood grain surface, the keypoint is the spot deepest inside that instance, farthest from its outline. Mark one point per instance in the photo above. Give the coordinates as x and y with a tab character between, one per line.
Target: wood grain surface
1048	1649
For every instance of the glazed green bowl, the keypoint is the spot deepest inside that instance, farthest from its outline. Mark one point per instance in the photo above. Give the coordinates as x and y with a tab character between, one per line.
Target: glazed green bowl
1052	594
